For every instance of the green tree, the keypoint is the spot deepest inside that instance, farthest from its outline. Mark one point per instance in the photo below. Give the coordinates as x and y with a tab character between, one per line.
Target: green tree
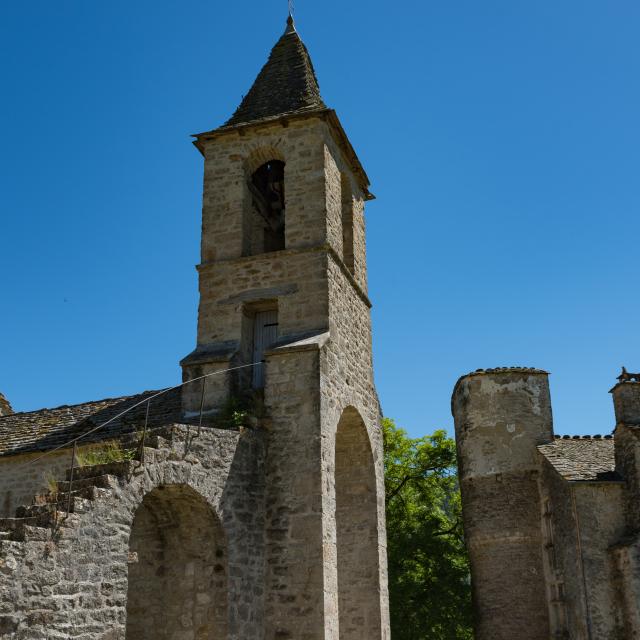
430	595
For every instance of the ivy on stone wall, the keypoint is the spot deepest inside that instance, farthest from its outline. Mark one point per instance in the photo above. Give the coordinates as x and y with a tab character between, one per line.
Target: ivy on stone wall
429	588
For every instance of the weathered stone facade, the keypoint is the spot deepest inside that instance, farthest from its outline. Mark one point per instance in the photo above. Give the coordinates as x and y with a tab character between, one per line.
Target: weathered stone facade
551	522
272	530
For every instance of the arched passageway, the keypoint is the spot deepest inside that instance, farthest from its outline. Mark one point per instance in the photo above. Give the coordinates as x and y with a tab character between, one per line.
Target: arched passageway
356	531
177	569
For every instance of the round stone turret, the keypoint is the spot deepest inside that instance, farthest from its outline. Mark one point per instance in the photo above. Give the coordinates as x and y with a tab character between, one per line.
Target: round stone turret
500	416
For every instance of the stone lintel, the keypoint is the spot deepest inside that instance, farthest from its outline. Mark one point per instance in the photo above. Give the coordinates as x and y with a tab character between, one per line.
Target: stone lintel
267	293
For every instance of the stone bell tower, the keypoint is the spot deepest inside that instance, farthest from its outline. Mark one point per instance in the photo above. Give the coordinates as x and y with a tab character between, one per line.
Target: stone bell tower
283	289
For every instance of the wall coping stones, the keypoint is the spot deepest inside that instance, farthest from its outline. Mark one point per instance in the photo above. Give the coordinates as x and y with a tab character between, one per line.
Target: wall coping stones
216	352
515	369
312	342
493	371
623	382
583	437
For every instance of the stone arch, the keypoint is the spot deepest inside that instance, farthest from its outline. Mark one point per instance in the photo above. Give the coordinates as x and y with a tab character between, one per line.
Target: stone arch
259	155
177	578
356	530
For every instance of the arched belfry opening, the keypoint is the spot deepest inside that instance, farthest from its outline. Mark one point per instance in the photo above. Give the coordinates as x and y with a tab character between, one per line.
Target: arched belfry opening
356	531
267	219
177	582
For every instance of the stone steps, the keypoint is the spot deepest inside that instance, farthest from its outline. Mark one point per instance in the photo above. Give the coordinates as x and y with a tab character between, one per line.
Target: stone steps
35	527
104	481
12	524
118	469
49	511
160	439
80	502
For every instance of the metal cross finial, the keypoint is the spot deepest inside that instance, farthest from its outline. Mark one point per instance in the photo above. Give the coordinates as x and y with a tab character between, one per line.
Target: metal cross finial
290	7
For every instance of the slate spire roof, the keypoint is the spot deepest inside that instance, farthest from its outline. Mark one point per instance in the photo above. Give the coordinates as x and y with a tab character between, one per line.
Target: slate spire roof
287	83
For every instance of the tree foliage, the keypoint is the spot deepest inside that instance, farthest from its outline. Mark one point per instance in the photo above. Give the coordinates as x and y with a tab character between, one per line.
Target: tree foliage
429	588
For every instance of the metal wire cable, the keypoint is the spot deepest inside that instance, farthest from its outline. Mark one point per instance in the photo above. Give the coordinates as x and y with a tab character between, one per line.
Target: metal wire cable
65	445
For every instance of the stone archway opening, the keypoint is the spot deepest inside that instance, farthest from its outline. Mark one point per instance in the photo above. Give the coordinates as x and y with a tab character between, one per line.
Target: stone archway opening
266	230
356	531
177	582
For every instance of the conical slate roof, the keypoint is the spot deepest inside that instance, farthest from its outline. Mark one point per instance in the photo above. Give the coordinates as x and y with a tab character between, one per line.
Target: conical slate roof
287	83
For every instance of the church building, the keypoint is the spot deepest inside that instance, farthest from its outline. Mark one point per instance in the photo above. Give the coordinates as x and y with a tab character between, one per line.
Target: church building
552	523
246	503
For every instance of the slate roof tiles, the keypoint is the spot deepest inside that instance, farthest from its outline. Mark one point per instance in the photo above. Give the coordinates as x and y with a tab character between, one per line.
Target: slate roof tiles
586	458
287	84
46	429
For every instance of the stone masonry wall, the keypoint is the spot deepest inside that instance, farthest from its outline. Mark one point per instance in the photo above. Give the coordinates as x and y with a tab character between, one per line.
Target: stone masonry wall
295	606
296	278
347	381
22	477
502	529
75	585
627	444
337	173
562	558
600	510
333	205
625	557
230	280
587	518
230	159
297	275
308	389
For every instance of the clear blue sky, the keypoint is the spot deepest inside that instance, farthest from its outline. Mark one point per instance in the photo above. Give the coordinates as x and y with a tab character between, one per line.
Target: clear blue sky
502	140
